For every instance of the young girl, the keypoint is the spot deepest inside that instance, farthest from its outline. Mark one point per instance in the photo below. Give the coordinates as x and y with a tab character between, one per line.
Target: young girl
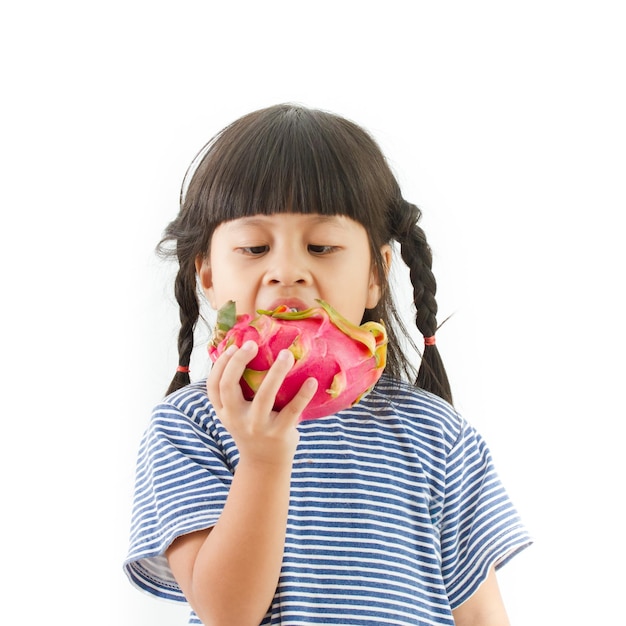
389	512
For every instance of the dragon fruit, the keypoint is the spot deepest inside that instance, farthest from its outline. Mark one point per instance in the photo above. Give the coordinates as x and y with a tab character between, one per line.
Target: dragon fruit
347	360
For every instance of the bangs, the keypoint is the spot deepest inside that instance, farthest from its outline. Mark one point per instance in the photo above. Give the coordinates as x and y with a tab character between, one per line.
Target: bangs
291	159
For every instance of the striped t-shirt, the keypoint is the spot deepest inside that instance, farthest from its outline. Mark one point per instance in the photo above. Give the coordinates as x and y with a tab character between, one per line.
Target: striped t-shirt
396	512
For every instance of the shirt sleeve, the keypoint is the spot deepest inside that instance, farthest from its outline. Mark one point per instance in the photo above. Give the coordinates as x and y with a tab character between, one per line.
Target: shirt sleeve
480	527
182	479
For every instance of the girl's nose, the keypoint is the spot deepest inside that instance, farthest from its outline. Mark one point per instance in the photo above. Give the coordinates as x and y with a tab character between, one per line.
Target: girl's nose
288	268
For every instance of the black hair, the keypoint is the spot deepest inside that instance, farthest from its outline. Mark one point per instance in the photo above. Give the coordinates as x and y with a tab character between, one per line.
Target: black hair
289	158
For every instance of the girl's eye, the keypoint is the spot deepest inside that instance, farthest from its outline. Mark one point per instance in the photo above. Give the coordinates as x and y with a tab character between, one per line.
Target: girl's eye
254	250
318	249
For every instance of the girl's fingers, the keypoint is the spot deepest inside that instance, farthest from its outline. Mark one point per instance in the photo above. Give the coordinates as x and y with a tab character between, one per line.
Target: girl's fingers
224	390
266	395
218	374
235	364
293	410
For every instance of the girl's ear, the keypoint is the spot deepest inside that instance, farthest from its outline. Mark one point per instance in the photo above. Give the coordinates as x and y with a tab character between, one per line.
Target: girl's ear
375	286
203	270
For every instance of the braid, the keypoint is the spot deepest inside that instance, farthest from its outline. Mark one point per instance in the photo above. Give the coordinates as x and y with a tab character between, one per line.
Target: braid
185	292
417	255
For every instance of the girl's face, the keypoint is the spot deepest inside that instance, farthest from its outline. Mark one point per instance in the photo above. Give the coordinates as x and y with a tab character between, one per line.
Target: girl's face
264	261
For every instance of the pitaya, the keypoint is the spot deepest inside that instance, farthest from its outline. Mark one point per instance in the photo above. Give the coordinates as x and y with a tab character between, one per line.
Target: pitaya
347	360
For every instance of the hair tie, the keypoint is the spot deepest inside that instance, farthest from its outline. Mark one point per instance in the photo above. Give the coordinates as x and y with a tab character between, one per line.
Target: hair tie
182	368
429	341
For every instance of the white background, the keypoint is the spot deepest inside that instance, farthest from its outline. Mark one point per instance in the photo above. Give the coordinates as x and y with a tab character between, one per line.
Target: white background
504	122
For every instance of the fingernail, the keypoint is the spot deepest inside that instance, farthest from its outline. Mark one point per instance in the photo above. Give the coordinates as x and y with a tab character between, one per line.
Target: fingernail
284	355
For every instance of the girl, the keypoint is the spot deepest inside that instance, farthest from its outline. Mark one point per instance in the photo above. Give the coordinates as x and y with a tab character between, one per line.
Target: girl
389	512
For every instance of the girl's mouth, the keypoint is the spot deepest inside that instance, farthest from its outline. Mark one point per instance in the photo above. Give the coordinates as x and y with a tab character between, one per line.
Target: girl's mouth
292	304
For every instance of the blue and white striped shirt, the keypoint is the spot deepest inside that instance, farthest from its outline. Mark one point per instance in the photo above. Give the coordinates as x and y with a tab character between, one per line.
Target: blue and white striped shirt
396	512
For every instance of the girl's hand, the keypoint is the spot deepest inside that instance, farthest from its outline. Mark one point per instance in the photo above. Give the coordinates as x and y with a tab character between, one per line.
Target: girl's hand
262	435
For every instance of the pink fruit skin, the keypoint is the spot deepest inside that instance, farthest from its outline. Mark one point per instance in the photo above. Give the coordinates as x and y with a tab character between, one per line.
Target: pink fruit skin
345	368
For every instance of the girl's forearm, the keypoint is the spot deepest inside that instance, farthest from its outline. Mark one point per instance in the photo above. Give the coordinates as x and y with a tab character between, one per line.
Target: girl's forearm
237	567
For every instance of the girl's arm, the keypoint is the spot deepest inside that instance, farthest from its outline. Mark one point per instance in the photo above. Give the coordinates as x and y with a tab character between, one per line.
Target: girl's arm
483	608
229	573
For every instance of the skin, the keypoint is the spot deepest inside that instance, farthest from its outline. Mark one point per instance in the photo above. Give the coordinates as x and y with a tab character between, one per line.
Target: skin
229	573
261	260
485	607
